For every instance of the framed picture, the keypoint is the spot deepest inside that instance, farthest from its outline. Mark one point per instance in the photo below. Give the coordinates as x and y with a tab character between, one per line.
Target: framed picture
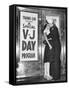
37	44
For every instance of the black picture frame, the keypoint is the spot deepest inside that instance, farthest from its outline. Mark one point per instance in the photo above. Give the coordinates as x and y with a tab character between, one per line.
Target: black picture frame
12	45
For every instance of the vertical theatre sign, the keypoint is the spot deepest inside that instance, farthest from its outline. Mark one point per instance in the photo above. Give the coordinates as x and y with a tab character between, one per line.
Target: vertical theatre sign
28	36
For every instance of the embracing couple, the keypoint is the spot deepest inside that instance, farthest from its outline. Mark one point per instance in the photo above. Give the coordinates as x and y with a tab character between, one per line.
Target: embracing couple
52	51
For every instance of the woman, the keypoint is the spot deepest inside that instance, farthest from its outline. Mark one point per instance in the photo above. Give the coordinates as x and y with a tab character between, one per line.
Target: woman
52	52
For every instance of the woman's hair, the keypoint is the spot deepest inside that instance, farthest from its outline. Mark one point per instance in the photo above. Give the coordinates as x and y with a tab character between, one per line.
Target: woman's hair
44	26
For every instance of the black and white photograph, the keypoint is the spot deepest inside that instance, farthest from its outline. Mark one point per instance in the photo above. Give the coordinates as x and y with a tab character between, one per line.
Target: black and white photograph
38	44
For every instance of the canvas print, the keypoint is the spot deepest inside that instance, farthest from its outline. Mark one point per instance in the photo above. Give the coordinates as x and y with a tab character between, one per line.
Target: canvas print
41	44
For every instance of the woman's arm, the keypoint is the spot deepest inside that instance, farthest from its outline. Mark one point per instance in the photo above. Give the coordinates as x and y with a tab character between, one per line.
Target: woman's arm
45	35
